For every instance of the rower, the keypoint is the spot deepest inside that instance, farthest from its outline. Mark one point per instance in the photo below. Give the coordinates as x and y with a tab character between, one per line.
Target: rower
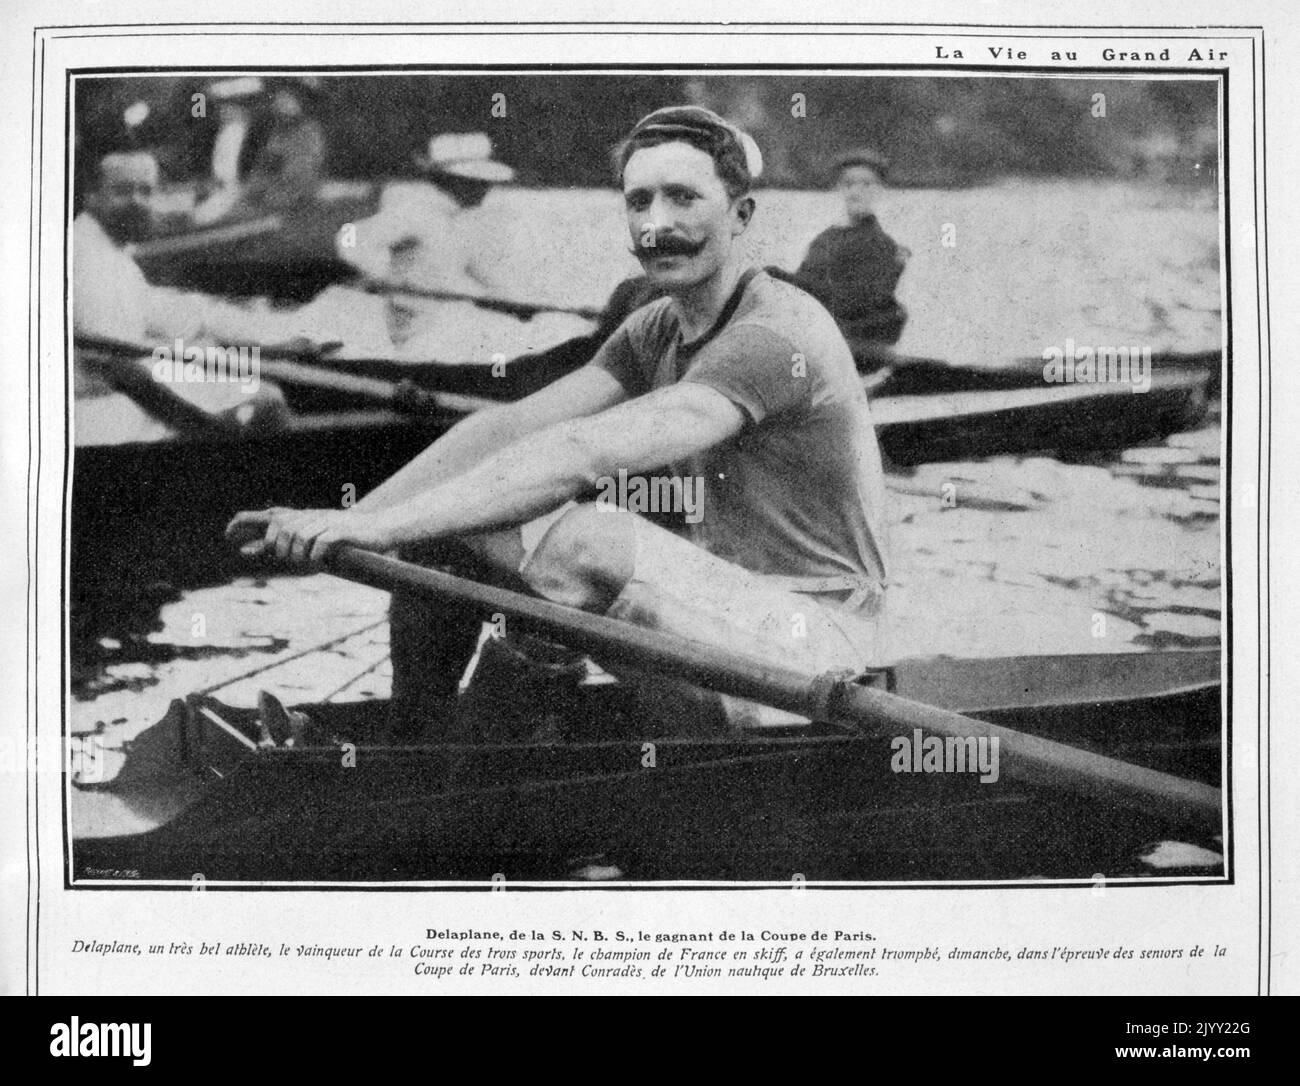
853	269
741	384
111	298
433	234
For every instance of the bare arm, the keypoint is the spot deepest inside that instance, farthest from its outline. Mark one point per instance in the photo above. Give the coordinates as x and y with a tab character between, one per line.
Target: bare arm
538	472
509	485
484	434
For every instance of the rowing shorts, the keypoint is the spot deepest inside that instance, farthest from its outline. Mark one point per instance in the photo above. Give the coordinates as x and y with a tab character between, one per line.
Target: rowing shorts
812	625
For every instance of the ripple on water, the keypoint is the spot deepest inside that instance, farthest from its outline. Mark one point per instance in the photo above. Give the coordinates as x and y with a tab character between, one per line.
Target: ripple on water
1134	539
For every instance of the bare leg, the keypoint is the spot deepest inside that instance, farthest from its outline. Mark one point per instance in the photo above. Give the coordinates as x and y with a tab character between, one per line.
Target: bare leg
613	562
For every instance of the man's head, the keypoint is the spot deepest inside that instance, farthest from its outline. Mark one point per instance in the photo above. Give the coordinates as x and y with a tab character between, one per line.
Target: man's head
686	175
123	200
461	164
286	106
860	175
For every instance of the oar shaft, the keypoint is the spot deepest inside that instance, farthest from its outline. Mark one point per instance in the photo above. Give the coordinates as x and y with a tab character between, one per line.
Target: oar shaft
132	377
503	305
1022	757
616	643
404	396
118	360
1038	761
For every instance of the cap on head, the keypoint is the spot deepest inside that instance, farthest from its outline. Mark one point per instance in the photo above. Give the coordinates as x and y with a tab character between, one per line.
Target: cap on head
130	167
862	156
467	155
734	152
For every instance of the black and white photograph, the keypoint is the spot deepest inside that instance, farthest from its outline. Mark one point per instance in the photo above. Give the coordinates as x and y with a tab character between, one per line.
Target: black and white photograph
706	506
658	476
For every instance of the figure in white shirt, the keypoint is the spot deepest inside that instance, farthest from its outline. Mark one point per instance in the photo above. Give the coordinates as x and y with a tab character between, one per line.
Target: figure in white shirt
233	99
435	236
112	299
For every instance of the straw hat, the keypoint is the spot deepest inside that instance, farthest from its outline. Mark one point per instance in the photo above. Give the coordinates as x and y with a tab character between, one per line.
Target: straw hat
464	154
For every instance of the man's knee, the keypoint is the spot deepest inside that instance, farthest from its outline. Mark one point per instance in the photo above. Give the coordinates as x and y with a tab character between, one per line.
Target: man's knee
585	558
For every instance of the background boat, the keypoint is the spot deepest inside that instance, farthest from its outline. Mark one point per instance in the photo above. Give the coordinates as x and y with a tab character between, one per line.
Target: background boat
285	253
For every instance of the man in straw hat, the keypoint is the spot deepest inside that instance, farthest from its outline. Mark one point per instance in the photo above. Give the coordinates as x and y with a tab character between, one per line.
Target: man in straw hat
433	235
736	386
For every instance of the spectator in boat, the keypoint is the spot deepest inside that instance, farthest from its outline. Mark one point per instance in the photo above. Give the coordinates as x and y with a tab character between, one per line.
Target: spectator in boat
112	299
233	101
291	164
741	384
853	269
433	235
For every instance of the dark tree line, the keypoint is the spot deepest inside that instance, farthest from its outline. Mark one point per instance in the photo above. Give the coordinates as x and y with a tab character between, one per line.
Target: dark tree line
560	129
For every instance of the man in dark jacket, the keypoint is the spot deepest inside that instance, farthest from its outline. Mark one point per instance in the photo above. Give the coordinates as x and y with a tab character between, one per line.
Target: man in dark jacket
854	270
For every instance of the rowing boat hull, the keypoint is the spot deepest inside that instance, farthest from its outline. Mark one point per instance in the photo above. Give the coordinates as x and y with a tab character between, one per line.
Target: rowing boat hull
288	254
826	806
1069	420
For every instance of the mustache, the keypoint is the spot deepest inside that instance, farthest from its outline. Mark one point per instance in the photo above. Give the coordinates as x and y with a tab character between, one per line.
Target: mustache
667	246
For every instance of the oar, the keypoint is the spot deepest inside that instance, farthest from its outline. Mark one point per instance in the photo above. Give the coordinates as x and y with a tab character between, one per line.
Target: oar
829	696
284	366
404	396
126	372
500	305
203	236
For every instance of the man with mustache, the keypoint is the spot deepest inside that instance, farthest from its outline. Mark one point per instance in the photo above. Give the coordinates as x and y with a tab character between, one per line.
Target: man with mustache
112	299
732	378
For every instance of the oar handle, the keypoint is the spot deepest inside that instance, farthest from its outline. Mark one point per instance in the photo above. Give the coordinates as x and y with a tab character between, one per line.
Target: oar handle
1027	758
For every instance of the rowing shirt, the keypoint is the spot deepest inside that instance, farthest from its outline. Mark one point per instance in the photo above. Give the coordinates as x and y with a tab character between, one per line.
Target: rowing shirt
798	492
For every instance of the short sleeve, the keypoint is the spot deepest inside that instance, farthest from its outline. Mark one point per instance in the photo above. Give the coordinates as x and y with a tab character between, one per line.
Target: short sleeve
618	356
757	370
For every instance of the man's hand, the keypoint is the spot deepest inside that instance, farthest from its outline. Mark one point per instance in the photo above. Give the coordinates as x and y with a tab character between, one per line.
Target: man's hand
305	535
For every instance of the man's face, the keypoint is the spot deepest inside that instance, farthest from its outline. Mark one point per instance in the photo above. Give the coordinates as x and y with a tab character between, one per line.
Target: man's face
682	221
123	204
286	106
860	186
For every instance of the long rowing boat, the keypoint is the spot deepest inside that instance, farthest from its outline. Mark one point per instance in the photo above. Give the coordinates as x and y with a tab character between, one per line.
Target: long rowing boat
1102	758
1069	420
